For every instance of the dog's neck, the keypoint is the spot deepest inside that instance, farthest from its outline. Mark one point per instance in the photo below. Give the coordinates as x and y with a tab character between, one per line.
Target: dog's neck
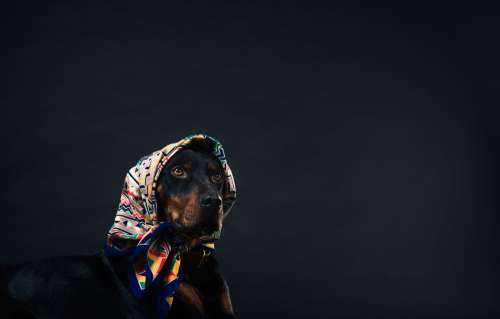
190	249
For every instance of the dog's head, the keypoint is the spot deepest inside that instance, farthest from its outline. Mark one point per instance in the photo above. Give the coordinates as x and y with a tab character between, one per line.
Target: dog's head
189	192
186	188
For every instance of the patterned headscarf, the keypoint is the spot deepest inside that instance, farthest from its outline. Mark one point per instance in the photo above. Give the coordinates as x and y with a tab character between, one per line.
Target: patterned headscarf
136	230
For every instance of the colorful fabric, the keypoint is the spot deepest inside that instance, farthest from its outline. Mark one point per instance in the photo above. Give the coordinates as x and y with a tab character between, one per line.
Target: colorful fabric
137	232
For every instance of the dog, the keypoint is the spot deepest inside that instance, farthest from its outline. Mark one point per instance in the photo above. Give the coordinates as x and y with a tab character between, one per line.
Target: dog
189	197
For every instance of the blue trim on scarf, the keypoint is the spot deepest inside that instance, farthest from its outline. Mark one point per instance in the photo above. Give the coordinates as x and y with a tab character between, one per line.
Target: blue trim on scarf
133	252
168	290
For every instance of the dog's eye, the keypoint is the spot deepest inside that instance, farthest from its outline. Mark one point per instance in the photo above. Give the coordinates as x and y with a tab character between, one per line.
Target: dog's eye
216	178
178	171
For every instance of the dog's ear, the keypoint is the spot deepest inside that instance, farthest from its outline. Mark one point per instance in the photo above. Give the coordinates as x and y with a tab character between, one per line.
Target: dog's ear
161	198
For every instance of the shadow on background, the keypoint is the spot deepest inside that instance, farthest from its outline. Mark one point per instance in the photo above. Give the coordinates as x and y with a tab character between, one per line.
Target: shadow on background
363	140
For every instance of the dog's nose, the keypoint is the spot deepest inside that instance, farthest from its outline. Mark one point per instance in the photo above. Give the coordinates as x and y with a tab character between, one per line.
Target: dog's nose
210	201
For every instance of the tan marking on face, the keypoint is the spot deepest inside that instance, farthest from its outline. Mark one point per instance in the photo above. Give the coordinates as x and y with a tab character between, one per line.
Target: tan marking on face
213	167
188	165
184	210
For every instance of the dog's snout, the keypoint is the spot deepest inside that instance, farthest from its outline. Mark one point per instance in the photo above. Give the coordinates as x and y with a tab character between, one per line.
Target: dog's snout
210	201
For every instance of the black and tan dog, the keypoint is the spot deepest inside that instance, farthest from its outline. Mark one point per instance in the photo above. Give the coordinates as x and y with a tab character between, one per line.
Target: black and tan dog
96	286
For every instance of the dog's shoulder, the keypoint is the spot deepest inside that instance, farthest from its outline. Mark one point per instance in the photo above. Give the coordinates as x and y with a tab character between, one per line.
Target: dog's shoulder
61	287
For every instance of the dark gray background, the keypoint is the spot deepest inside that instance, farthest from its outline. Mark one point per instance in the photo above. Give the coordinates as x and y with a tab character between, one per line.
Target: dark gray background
364	141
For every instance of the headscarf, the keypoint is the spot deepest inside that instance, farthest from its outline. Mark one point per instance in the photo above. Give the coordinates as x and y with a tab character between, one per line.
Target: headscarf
136	230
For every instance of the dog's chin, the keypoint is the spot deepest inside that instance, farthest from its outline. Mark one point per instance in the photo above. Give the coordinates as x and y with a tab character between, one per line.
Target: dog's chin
205	234
210	236
197	235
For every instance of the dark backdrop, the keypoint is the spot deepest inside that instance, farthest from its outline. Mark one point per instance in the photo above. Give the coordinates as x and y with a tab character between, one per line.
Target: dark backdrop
364	141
